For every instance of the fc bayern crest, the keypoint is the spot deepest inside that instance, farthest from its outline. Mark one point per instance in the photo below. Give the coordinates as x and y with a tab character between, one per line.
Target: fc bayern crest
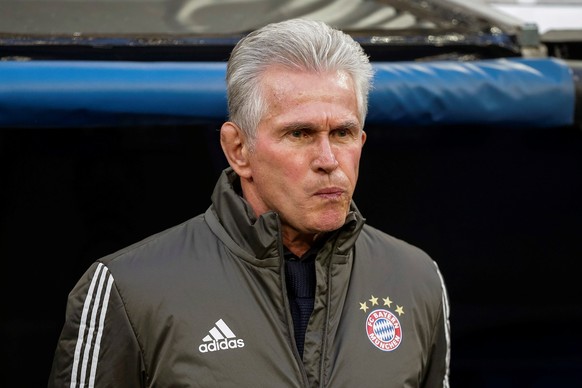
384	330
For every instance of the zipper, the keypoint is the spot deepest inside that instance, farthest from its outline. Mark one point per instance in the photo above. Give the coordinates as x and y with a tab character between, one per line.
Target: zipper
287	307
322	369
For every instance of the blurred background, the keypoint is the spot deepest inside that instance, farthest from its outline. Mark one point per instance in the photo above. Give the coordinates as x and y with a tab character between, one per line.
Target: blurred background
497	206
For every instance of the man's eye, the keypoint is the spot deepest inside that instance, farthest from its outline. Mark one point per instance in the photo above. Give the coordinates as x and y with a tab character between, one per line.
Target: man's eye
297	133
341	133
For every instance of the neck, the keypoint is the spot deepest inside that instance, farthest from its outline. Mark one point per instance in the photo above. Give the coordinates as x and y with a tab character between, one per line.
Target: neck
298	243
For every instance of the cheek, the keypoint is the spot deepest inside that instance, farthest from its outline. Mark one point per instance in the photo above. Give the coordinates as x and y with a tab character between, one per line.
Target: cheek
295	167
274	171
351	161
284	165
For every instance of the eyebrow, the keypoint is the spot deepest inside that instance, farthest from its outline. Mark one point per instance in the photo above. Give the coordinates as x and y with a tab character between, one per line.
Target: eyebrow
349	125
346	125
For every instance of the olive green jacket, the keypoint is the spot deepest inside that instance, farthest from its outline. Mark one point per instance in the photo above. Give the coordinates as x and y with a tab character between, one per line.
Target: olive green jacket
204	304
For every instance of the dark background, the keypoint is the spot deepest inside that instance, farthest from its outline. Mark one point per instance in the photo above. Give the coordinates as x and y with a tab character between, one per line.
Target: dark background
498	208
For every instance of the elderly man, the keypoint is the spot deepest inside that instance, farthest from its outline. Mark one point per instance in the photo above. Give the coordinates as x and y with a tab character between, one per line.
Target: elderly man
280	283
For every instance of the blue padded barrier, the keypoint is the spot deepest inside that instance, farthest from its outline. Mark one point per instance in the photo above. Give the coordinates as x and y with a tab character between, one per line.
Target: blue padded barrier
515	92
528	92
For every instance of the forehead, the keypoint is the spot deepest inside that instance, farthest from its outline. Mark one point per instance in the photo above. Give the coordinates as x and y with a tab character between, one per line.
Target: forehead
281	79
292	92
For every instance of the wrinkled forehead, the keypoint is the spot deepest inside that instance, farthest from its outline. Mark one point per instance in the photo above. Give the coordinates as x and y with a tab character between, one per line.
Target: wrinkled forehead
285	90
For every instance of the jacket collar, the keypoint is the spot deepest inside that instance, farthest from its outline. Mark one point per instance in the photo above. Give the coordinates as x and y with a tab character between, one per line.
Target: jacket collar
260	238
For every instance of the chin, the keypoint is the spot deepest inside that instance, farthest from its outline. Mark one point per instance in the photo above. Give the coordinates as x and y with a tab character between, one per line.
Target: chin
329	223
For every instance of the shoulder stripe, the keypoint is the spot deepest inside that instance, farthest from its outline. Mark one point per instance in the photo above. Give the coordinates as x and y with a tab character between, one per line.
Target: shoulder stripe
447	328
92	320
95	359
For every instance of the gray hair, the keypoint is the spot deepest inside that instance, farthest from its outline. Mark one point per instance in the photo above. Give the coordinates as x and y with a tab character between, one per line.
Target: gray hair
295	44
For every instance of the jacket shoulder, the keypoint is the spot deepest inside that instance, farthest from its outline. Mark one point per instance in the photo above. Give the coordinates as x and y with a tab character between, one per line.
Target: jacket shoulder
386	252
376	239
162	244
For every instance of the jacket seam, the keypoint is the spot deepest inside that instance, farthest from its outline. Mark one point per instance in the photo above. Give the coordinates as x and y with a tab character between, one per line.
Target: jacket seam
141	352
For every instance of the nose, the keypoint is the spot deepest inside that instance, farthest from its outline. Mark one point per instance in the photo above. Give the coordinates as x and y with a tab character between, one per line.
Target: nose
324	159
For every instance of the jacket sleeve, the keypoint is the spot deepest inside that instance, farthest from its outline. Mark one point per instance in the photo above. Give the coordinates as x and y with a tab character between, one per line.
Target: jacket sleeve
437	375
97	346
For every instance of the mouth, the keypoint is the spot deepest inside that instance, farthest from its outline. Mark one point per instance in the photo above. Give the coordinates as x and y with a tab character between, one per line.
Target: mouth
330	193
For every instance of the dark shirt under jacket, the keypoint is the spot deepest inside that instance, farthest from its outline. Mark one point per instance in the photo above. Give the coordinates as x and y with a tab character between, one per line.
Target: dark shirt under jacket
300	279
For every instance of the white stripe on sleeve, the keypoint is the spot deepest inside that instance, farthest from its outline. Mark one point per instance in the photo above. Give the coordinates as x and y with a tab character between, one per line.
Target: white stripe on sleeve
95	303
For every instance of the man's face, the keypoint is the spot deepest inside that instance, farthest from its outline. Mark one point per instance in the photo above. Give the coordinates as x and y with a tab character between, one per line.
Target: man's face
305	161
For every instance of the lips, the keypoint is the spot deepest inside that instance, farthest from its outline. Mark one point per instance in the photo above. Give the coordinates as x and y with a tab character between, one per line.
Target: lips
330	192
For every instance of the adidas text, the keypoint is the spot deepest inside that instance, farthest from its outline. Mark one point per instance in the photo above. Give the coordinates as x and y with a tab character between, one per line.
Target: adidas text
221	345
220	337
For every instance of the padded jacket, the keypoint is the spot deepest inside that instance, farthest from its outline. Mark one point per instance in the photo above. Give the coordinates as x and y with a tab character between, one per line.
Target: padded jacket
204	304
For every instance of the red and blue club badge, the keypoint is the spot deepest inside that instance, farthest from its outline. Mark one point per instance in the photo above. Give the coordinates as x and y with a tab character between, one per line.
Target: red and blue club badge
382	326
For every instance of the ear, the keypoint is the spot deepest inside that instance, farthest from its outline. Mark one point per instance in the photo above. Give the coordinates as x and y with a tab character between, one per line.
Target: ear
363	137
233	142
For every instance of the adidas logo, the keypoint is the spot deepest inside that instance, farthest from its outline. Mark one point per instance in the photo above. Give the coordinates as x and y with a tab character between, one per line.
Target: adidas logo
220	337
